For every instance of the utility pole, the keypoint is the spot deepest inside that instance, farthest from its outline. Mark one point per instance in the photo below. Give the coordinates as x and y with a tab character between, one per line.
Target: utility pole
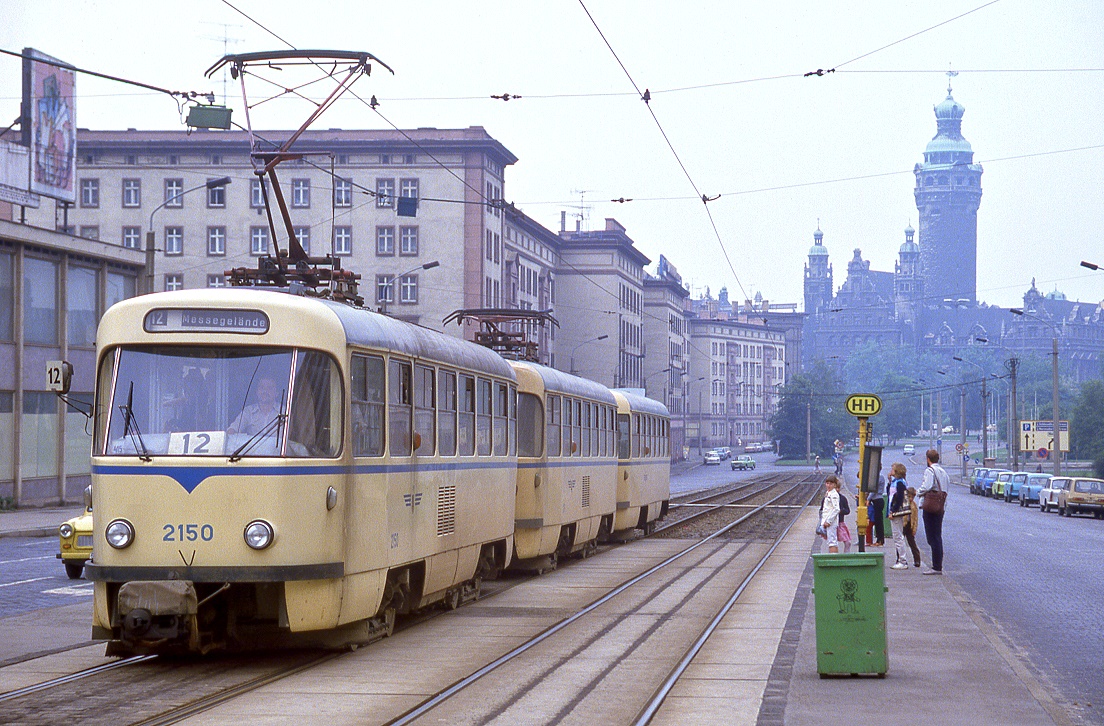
984	422
1013	412
1056	449
808	431
939	424
962	423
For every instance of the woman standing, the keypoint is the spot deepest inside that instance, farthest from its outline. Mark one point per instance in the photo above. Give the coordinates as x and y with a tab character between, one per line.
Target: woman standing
830	511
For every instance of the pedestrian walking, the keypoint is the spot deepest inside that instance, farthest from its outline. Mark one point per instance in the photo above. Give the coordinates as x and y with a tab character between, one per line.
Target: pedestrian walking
876	512
839	464
898	513
816	464
911	524
932	496
830	512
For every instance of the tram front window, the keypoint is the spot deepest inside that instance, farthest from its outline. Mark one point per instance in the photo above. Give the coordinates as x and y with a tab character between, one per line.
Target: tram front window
200	401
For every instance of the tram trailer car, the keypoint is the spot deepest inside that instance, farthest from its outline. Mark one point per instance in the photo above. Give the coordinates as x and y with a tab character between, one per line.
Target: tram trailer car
644	462
273	469
567	466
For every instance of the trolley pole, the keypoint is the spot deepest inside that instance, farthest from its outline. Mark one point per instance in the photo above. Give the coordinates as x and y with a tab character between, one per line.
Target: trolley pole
862	521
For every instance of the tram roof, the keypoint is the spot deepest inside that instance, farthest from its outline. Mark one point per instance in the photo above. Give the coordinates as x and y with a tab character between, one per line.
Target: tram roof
642	404
559	382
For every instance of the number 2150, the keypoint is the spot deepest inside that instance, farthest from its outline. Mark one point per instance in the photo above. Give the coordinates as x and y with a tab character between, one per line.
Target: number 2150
187	533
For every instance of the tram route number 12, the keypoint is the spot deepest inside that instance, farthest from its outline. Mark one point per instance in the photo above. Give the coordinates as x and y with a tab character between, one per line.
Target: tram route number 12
187	532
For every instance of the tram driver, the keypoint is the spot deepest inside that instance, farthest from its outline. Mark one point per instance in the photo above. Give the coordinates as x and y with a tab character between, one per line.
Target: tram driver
263	411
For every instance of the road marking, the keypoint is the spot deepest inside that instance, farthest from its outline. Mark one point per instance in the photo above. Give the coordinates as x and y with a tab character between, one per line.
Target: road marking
24	582
27	559
80	590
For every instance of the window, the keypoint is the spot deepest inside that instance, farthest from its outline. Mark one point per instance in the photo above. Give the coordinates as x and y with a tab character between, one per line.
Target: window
446	413
174	241
300	193
132	237
552	426
466	430
408	240
385	158
530	425
500	429
216	197
130	160
385	241
119	287
303	235
385	192
484	405
40	301
368	403
7	299
258	240
425	420
409	158
90	193
38	435
90	231
80	299
132	192
256	193
343	193
408	289
174	193
216	281
174	281
399	387
216	241
408	188
343	240
384	288
315	424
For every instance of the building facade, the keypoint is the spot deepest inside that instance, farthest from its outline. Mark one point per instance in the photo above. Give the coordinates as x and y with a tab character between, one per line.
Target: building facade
667	346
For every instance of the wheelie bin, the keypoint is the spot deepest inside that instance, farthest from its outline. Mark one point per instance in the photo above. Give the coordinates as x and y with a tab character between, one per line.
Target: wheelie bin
849	592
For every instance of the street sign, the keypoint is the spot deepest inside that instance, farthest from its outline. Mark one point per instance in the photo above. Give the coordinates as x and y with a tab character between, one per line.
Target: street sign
958	448
1043	452
863	404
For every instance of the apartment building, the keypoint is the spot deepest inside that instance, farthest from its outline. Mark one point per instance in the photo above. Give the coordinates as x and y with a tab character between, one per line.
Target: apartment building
667	346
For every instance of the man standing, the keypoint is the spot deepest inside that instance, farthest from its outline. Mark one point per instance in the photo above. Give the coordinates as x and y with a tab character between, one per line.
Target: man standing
935	478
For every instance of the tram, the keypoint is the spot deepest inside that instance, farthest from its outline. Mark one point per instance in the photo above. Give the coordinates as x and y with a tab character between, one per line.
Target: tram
644	462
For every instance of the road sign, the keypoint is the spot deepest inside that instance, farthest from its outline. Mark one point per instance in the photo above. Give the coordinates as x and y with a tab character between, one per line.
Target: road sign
863	404
1043	452
958	448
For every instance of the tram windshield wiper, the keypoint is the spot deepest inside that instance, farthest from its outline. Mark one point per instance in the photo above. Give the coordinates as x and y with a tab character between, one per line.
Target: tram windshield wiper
130	426
274	424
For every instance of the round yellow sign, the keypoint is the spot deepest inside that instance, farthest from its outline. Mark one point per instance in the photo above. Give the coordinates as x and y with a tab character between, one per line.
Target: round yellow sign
863	404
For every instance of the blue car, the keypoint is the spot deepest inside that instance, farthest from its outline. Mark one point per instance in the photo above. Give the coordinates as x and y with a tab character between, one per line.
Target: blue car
1029	491
977	480
1015	483
987	484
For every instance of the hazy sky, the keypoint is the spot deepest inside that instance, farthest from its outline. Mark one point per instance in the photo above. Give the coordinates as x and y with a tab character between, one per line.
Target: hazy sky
768	140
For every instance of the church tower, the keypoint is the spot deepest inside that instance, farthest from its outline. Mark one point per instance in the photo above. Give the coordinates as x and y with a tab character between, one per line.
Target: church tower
908	282
818	278
948	194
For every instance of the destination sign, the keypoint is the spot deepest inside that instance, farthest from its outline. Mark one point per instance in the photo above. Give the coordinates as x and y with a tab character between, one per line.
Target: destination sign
195	320
863	404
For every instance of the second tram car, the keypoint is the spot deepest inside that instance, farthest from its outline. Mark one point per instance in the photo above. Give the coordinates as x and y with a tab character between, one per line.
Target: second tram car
644	462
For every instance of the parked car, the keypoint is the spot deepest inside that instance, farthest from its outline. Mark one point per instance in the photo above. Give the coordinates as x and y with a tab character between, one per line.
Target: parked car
1012	489
1029	492
1083	495
1048	495
1002	480
910	449
977	480
743	462
712	457
987	483
75	543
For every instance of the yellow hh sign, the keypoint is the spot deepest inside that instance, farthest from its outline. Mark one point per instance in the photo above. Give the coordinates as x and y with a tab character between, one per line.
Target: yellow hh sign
863	404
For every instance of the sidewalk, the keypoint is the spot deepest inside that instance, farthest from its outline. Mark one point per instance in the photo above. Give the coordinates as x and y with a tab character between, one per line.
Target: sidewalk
37	521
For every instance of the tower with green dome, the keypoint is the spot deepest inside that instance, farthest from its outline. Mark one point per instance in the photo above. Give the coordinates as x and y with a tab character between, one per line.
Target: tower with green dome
948	194
818	278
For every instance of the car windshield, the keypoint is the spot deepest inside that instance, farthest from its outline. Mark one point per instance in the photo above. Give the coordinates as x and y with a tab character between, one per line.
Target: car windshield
210	401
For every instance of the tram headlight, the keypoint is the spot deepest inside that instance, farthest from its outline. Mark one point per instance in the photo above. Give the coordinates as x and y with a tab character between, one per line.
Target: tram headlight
65	530
120	534
259	534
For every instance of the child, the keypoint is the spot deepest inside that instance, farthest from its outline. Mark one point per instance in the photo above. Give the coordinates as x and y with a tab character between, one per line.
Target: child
910	525
899	513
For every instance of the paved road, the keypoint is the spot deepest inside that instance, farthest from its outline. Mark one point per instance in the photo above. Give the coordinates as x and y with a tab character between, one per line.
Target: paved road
32	578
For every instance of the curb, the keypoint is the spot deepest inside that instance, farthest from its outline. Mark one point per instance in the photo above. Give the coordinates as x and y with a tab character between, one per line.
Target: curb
30	532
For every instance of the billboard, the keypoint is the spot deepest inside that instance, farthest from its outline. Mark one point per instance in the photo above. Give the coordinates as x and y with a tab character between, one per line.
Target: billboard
50	126
1039	435
14	180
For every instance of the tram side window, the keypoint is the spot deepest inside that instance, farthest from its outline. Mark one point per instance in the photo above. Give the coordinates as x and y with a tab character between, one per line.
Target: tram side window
601	430
315	406
571	440
446	412
467	416
512	428
368	401
584	425
484	405
611	432
530	420
552	432
424	418
623	436
398	408
636	436
501	419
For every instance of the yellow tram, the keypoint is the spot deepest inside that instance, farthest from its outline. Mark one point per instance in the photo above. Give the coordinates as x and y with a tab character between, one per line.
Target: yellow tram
270	468
644	462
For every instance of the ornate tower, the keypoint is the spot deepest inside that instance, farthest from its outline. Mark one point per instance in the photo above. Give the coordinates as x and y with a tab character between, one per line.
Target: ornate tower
818	278
948	194
908	282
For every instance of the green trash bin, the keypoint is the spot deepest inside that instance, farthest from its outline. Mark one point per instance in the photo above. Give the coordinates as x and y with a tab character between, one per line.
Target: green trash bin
850	590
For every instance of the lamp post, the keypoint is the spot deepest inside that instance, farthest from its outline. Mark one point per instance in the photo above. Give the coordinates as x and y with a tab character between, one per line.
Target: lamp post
1056	446
389	286
151	247
984	407
1013	409
648	378
580	345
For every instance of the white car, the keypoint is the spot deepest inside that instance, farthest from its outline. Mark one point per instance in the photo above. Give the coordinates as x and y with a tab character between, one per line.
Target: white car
909	449
712	457
1048	495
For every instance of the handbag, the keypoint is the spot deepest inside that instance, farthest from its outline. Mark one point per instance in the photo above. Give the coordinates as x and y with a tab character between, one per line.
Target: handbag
821	531
935	500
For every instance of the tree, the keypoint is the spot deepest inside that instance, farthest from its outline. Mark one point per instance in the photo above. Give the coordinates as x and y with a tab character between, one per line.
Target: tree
1087	425
817	394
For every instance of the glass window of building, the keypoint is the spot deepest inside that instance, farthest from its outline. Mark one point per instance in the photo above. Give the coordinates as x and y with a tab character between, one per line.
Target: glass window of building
300	193
385	241
174	193
303	235
408	240
90	231
174	241
80	297
408	188
216	281
258	240
256	194
216	197
40	301
132	237
7	445
119	287
408	289
132	192
216	241
384	288
38	436
90	193
343	240
385	192
343	192
7	297
174	281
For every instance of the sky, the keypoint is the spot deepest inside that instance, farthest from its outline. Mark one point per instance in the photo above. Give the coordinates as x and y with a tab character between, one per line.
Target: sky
785	152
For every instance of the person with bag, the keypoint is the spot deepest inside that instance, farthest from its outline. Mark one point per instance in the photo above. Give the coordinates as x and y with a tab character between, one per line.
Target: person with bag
830	512
898	513
933	500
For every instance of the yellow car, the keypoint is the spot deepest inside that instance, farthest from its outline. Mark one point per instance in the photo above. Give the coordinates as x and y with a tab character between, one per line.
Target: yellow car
75	537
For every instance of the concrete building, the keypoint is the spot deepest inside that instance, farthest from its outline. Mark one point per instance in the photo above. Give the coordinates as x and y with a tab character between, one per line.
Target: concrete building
532	258
667	346
53	289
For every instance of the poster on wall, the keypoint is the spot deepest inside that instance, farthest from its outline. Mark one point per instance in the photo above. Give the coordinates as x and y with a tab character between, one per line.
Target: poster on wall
49	115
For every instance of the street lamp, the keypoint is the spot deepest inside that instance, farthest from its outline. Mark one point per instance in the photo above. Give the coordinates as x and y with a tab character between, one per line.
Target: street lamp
1056	446
389	286
984	407
150	237
1013	410
580	345
1090	265
653	375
